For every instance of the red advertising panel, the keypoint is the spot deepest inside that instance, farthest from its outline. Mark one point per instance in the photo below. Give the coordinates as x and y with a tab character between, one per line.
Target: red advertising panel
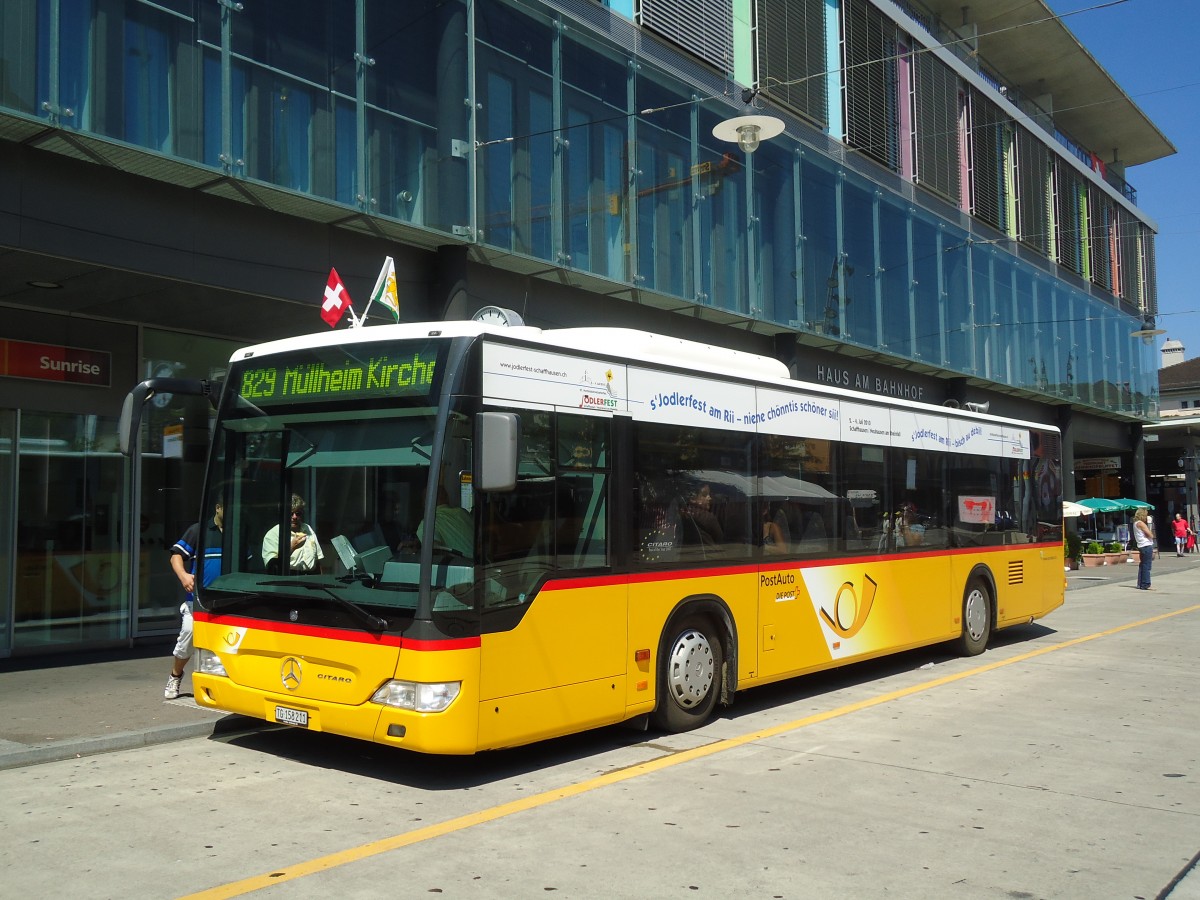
48	362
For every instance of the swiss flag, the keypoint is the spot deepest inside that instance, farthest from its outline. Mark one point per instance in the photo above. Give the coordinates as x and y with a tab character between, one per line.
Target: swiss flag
337	300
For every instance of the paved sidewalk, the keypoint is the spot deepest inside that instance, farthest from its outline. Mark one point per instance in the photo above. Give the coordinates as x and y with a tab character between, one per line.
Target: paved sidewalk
77	705
82	704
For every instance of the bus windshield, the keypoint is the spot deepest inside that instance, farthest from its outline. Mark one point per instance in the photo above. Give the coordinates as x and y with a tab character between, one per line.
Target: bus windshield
341	470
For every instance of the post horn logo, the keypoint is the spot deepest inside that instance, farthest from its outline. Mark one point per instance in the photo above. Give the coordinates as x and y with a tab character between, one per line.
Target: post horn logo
290	673
849	615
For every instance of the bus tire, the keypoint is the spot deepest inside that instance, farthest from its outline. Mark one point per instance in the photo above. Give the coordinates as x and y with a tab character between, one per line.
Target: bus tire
976	617
689	675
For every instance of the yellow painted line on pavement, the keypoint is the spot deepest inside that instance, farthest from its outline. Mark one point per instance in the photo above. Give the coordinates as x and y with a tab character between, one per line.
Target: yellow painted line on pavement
534	801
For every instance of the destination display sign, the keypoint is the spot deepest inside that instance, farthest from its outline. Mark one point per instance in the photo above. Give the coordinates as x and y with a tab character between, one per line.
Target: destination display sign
333	374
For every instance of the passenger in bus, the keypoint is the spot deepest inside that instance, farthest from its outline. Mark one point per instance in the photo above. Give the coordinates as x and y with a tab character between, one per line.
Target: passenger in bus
305	557
909	532
397	528
705	529
581	458
452	526
773	541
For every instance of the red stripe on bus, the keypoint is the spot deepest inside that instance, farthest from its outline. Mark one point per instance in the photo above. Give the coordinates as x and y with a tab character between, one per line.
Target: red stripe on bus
562	584
338	634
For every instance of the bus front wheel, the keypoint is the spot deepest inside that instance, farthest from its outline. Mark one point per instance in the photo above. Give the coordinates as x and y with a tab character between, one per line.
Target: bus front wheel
689	676
976	618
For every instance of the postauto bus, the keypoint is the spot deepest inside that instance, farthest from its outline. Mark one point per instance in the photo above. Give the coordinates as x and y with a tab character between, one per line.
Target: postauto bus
524	533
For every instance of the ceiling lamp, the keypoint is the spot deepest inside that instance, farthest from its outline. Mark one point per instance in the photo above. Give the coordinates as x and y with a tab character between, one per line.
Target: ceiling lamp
1147	332
748	131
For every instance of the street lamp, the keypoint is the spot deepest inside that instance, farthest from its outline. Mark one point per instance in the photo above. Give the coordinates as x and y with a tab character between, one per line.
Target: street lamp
1148	332
748	131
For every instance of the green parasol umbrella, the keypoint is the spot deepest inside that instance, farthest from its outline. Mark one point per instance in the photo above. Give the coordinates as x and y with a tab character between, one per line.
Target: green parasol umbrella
1102	505
1135	504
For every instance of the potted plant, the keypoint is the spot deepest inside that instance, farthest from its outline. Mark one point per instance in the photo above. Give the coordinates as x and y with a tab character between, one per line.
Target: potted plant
1116	553
1072	550
1093	554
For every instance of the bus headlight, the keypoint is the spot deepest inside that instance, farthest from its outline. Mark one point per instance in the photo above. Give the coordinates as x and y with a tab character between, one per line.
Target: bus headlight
418	696
210	664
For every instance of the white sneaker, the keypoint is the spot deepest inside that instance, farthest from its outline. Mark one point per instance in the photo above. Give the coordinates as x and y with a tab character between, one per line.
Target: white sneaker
172	690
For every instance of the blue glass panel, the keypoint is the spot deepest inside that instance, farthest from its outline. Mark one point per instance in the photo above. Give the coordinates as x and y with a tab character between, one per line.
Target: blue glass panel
927	293
984	332
150	44
518	36
414	93
399	151
74	63
1055	338
720	183
541	164
276	116
1029	366
777	293
820	291
664	191
859	264
1086	347
211	108
496	162
513	61
959	320
24	56
895	282
419	52
306	39
595	160
1007	344
345	188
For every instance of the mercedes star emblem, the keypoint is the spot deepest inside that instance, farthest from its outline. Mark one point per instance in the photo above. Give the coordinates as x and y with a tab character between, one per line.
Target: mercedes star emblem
291	672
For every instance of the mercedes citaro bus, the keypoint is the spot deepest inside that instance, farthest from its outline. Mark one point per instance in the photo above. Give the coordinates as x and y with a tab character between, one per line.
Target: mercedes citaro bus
525	533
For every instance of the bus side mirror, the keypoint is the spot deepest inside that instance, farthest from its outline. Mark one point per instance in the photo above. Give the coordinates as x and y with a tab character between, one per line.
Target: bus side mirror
497	437
131	409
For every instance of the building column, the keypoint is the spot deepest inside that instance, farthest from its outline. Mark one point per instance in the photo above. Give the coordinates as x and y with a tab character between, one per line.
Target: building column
451	295
1137	442
1067	453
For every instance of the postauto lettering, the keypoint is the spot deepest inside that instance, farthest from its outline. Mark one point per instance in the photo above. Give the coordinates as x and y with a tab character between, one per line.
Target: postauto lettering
381	374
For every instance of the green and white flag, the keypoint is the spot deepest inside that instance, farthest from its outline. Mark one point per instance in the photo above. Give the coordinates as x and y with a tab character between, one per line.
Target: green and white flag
385	289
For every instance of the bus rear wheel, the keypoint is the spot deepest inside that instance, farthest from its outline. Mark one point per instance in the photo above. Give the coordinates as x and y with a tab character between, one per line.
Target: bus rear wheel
689	676
976	617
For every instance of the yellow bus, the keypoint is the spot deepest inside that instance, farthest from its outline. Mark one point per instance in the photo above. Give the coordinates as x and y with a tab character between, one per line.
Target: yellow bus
511	534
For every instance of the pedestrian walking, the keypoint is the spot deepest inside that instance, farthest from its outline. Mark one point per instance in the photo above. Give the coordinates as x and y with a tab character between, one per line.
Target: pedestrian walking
197	546
1143	536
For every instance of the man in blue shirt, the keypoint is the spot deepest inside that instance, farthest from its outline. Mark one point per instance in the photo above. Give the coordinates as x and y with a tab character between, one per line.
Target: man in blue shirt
197	546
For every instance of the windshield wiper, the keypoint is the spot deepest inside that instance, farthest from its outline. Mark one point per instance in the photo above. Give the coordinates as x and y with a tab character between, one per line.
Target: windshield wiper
372	621
229	600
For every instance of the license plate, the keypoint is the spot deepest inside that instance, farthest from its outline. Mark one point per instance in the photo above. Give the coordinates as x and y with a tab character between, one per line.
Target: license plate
286	716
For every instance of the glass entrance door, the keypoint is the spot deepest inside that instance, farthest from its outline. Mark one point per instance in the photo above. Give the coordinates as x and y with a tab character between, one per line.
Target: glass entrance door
70	575
8	445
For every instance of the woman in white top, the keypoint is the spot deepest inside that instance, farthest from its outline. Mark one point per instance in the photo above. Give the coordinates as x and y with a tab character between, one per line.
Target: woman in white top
1143	536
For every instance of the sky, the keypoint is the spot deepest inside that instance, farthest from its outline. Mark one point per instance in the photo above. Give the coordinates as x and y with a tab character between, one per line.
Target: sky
1151	48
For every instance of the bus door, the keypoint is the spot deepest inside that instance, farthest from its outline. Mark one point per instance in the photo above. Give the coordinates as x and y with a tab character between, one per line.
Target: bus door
554	626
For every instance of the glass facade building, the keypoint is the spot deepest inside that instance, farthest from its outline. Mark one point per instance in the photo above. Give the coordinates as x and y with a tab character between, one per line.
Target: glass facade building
908	211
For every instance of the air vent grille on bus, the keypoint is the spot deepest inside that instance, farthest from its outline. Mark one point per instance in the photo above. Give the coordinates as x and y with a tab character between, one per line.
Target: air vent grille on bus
1016	572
